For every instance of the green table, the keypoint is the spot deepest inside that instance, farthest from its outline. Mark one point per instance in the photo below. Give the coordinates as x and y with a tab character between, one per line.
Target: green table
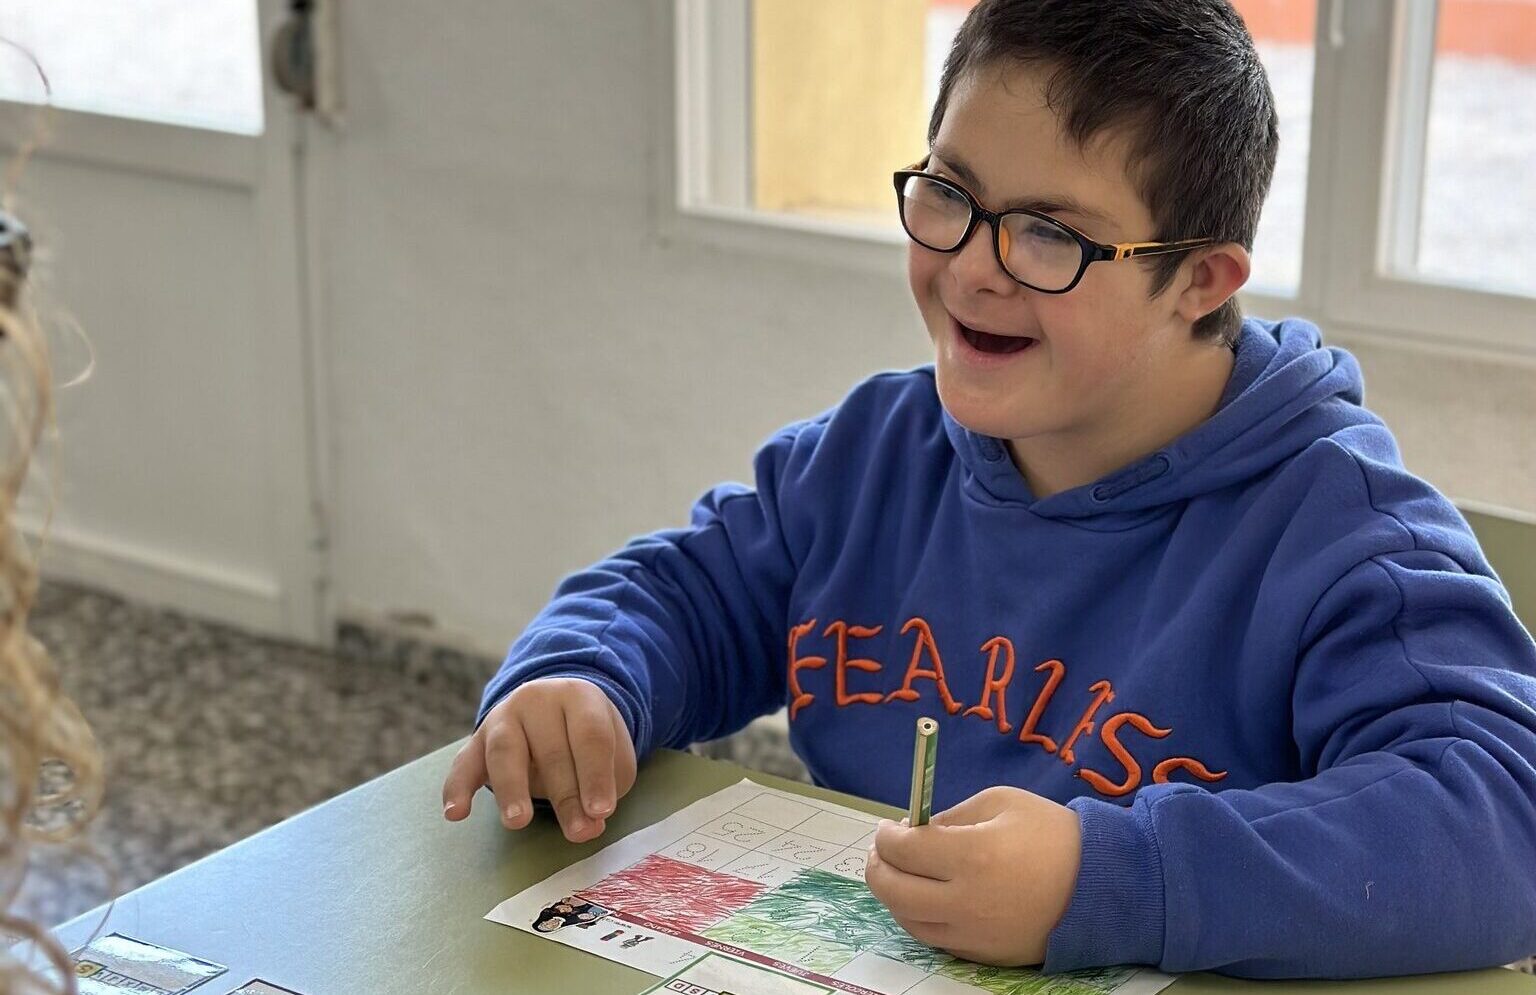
373	892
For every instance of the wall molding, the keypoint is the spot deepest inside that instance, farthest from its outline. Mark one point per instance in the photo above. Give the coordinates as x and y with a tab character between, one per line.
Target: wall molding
248	600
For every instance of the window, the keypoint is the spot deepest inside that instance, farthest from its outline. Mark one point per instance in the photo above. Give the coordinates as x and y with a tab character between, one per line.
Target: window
1475	207
846	80
189	62
1283	32
1401	198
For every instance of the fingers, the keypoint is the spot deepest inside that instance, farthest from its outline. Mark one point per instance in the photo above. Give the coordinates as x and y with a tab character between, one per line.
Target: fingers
910	897
624	766
980	807
935	934
937	852
465	777
550	746
934	912
506	764
560	739
590	735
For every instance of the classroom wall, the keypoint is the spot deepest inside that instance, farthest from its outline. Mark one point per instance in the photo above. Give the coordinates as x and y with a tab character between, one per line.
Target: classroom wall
522	375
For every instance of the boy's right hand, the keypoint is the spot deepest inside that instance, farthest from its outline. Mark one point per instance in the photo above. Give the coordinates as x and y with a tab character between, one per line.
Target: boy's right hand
558	738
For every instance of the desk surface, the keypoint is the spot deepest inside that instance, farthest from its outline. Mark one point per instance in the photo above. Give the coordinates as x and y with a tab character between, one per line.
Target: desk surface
374	892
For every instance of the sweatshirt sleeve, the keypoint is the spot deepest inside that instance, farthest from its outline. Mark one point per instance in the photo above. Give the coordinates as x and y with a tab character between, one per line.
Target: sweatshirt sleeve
1409	848
680	628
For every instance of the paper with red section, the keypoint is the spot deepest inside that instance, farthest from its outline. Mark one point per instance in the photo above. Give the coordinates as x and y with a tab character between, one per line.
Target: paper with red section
671	891
774	879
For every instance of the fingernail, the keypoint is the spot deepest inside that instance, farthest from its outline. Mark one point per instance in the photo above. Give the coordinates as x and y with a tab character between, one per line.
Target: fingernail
449	809
513	811
602	808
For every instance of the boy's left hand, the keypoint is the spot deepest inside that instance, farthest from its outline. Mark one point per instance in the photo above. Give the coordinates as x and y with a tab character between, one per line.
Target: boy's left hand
986	880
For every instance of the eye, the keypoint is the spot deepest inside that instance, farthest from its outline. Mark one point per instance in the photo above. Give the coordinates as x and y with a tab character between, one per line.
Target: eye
1044	231
948	193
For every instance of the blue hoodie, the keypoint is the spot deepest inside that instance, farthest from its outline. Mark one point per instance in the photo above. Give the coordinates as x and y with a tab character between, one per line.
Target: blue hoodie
1269	668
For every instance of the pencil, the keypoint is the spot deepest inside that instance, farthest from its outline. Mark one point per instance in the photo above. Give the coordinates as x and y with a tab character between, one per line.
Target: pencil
925	751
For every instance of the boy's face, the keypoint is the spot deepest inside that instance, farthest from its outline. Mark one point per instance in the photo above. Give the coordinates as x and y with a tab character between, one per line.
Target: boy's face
1099	350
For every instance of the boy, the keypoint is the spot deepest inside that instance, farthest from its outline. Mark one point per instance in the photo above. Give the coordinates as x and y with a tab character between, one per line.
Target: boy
1222	685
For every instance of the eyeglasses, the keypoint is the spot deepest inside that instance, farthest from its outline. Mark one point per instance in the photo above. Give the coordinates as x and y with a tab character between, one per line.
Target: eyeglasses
15	258
1033	248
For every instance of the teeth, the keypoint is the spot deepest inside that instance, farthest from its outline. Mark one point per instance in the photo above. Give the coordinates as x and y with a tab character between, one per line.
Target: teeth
1001	335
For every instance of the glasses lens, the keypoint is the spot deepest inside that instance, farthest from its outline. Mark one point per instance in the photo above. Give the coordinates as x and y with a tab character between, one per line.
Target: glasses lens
1040	253
935	214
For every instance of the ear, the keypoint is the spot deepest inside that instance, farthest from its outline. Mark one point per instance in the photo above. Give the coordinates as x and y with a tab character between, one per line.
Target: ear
1214	274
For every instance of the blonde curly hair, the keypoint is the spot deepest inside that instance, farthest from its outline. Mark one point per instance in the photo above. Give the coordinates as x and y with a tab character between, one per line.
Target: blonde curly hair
50	768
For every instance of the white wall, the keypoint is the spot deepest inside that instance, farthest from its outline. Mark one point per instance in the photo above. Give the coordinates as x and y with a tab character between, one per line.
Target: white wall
521	375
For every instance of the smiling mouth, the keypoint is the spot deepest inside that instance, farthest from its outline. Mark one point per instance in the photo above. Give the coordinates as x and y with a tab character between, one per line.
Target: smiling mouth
995	344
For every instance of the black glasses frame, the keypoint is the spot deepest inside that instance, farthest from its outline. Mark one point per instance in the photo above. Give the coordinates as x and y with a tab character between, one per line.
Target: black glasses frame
1093	252
15	259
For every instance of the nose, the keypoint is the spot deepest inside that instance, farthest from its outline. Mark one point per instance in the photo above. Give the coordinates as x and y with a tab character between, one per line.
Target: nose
975	267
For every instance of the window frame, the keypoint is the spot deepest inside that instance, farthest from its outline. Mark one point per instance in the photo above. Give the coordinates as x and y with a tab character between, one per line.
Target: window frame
154	147
1364	179
703	179
1378	76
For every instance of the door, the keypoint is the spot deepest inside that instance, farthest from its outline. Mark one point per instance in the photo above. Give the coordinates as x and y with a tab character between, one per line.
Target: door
166	205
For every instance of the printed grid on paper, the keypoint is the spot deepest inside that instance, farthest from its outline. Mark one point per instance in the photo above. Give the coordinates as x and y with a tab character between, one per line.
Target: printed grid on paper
718	869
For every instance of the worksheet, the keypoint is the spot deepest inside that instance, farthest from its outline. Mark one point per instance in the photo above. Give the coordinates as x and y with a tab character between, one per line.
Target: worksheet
775	879
715	974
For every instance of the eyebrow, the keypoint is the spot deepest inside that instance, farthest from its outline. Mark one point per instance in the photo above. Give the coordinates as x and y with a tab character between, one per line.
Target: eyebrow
1045	204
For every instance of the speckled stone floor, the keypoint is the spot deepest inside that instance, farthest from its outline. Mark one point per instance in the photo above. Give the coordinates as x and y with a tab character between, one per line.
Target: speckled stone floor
211	734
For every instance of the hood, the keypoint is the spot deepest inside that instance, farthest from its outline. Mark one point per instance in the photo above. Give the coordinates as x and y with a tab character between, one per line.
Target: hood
1286	391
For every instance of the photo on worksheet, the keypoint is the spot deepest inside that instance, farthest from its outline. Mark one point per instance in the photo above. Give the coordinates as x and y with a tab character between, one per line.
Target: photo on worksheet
569	911
115	963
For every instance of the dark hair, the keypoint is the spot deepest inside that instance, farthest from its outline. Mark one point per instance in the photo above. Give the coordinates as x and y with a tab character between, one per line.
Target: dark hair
1181	76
